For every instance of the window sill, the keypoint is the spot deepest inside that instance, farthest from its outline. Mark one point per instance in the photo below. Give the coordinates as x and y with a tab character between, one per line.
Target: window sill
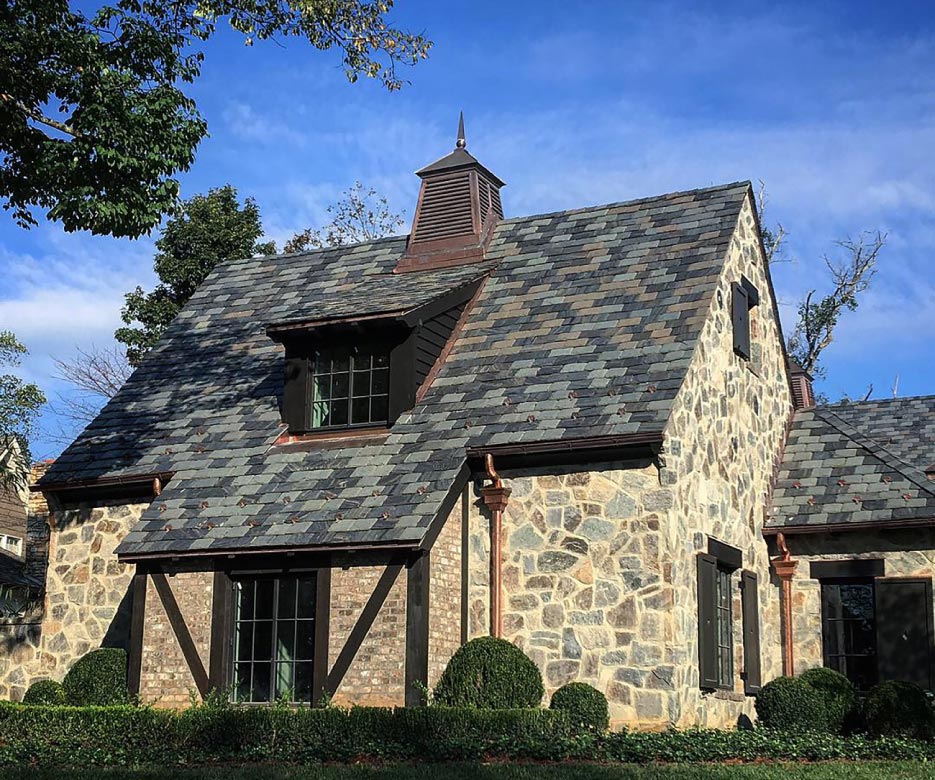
723	694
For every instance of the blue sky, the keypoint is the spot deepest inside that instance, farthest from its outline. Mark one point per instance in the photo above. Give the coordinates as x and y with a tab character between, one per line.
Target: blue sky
833	107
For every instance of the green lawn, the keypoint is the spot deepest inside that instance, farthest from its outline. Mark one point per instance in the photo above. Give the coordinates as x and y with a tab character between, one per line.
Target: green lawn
831	771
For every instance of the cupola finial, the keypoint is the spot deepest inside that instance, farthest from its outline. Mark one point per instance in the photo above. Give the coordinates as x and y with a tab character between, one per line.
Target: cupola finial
460	143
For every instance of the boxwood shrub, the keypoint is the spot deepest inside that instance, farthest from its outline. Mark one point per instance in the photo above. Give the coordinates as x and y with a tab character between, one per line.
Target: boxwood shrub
790	704
897	709
490	673
47	692
838	694
583	705
98	678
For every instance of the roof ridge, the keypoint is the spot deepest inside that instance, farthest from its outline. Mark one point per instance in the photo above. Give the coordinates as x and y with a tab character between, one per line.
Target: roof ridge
880	401
871	445
633	201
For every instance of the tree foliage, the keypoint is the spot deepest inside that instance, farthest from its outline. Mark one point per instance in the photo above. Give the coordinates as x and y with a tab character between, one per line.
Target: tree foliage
20	403
94	122
360	215
208	230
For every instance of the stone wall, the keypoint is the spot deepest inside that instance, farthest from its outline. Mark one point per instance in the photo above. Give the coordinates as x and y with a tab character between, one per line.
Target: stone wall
166	679
599	569
722	443
376	676
87	598
586	582
445	594
906	553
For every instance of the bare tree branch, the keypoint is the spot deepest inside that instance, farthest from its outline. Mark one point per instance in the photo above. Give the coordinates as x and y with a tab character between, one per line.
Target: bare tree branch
95	376
814	330
773	238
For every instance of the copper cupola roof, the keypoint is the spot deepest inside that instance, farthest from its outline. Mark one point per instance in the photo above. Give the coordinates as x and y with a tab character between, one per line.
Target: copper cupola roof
459	205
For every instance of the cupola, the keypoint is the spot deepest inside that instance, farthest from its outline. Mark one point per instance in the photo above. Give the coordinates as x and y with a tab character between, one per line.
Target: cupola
459	206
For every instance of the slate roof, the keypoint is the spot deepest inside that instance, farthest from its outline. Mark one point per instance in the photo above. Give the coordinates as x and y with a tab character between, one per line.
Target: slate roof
585	327
857	463
13	571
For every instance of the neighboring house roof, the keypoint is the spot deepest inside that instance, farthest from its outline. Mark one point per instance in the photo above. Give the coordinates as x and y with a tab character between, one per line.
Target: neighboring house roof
585	328
854	463
13	571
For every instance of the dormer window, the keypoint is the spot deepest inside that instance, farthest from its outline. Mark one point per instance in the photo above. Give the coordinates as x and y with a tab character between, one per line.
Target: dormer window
362	372
350	387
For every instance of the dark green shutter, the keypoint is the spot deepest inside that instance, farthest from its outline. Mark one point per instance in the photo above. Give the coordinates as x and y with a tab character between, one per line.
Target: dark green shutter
740	318
751	633
904	630
295	393
707	626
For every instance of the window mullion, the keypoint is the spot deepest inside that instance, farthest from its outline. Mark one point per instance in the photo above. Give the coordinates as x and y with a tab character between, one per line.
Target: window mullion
274	643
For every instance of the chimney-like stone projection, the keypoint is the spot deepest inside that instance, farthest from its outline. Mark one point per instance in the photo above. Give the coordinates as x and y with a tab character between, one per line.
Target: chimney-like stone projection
459	206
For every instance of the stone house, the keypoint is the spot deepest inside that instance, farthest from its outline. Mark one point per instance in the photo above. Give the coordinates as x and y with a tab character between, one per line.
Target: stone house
565	430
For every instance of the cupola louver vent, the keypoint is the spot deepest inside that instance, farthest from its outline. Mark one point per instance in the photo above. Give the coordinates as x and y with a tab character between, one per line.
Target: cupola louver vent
445	210
459	206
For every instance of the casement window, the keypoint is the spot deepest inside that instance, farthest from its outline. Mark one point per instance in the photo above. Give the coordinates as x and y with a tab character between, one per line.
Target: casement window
875	628
849	642
12	543
716	580
349	388
744	296
274	638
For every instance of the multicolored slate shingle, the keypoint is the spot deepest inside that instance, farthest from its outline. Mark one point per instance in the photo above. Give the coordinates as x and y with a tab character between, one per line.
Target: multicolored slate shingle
585	327
857	463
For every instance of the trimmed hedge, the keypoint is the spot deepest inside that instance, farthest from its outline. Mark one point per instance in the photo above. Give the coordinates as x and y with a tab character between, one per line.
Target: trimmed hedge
792	705
490	673
98	679
45	692
838	694
584	706
897	709
134	736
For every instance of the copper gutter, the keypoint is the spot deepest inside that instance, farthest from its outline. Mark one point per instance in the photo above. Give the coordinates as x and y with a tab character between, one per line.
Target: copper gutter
784	567
495	497
834	528
128	480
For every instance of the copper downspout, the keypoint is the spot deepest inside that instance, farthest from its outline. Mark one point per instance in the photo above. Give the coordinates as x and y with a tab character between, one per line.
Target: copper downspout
495	497
784	567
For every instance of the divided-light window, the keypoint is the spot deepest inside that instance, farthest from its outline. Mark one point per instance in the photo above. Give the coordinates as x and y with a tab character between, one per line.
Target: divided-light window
274	639
349	387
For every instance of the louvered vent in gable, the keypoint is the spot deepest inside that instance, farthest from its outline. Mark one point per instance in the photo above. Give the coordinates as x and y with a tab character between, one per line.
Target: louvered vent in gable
445	211
432	337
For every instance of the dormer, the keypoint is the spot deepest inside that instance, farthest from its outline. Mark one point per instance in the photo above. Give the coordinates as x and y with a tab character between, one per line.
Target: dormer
459	205
357	374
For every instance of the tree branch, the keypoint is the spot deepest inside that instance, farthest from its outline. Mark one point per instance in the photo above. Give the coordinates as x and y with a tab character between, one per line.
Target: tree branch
38	117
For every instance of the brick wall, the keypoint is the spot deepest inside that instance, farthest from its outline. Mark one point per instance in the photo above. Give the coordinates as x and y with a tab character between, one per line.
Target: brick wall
445	595
165	677
376	676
